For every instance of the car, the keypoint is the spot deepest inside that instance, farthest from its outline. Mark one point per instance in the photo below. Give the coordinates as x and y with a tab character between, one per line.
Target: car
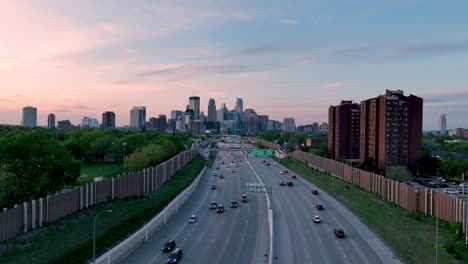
244	198
281	171
285	171
339	233
449	191
175	256
462	190
233	170
255	155
222	162
213	186
192	219
293	176
316	219
290	183
319	207
264	161
169	245
214	173
234	204
217	168
314	192
221	176
274	163
282	183
238	165
443	185
268	164
213	205
220	209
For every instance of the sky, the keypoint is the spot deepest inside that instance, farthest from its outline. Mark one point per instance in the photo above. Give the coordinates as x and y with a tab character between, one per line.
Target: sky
284	58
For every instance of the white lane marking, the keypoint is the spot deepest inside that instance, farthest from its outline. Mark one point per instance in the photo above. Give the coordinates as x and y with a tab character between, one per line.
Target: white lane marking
196	211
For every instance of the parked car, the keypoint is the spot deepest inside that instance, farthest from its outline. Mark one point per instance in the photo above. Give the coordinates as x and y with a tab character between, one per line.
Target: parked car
462	191
443	185
169	245
339	233
450	191
192	219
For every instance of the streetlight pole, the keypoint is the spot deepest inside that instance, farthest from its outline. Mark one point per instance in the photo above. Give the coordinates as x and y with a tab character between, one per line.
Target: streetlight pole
94	233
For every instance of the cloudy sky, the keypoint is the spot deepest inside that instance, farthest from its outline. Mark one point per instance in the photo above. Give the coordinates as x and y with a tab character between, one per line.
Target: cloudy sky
284	58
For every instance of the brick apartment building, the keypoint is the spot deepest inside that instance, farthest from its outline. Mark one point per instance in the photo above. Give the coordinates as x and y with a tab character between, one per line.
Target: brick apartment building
343	130
389	130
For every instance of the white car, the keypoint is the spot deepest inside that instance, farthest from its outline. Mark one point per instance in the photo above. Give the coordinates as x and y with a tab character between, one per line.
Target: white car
316	219
192	219
214	173
450	191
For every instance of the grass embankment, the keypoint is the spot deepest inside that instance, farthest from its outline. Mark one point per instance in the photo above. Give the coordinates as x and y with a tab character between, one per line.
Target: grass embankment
91	170
410	234
259	146
69	240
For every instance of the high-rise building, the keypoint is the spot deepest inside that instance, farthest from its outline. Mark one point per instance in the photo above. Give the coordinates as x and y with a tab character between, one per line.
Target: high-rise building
89	122
212	110
180	124
239	105
196	128
289	124
273	125
51	121
64	124
175	114
263	123
29	116
108	120
152	123
194	104
391	130
343	133
138	117
161	123
442	124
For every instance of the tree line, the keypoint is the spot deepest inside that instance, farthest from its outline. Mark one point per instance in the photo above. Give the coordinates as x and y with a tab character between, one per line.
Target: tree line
35	162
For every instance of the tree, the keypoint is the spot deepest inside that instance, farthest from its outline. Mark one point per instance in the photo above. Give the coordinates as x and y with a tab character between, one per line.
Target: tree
428	165
398	173
136	161
33	165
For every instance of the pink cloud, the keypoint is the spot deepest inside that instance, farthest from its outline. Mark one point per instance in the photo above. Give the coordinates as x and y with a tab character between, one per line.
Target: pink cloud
335	84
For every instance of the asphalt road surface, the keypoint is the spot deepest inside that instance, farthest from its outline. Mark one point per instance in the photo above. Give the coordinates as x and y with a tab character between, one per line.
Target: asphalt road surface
239	235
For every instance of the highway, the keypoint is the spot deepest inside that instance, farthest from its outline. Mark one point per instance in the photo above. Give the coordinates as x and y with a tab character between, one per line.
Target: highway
239	235
299	240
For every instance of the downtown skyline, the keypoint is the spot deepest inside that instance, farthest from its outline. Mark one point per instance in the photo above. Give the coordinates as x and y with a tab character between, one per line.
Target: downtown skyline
284	59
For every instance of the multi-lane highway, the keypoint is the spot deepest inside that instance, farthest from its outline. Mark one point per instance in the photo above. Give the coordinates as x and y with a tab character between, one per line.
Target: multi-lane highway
299	240
239	235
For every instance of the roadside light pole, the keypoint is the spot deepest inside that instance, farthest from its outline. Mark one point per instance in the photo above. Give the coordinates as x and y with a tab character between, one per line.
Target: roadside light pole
94	233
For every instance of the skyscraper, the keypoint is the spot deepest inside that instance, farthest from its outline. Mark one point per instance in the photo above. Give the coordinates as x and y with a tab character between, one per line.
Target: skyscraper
108	120
175	114
51	121
161	123
29	116
194	104
289	124
262	123
138	117
391	130
442	124
89	122
239	105
212	110
343	135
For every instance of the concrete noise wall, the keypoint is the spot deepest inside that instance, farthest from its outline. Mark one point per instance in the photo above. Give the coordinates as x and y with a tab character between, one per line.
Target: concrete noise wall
35	213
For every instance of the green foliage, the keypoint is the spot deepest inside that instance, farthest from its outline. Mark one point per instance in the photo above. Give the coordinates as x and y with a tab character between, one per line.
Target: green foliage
398	173
456	146
34	165
321	151
454	168
150	155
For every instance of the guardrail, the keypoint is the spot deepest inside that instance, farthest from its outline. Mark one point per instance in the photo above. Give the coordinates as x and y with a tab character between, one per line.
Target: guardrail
127	246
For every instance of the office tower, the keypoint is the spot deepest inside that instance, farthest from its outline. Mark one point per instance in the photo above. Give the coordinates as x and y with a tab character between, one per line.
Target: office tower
289	124
161	123
262	123
175	114
51	121
442	124
196	128
212	110
188	116
64	124
29	116
108	120
273	125
222	113
180	124
89	122
153	123
194	104
138	117
343	134
391	130
239	105
203	118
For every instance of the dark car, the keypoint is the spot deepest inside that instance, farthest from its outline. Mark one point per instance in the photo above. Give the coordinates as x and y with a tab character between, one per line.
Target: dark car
319	207
268	164
221	176
264	161
220	209
339	233
213	205
314	192
168	246
244	198
175	256
285	171
213	186
290	183
282	183
443	185
234	204
294	176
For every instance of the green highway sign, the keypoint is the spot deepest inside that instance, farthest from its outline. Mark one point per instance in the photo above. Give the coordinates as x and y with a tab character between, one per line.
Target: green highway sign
258	152
269	152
